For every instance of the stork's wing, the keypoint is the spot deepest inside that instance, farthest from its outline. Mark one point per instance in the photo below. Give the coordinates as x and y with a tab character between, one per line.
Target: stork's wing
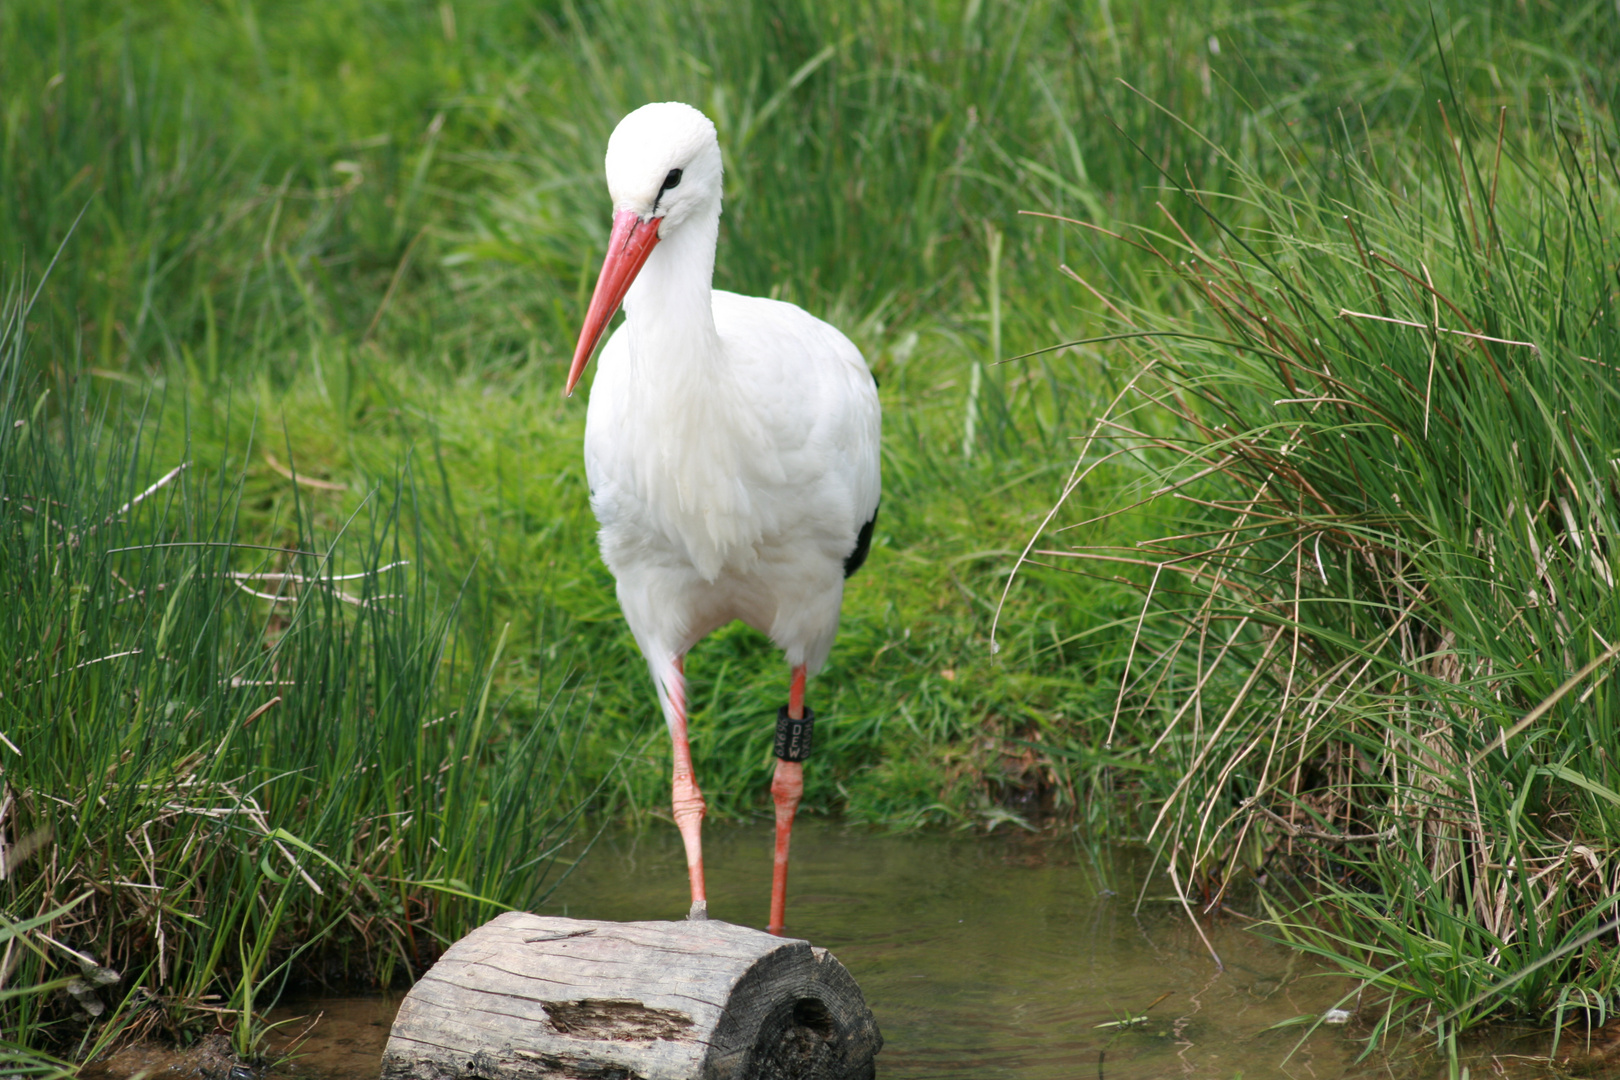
818	400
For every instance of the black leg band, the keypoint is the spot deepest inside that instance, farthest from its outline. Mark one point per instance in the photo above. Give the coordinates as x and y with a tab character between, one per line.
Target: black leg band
793	736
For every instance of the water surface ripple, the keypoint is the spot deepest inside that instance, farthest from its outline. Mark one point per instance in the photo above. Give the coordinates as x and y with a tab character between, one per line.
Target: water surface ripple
998	957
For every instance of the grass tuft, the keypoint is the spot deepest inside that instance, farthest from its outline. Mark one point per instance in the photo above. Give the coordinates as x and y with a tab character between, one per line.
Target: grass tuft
232	763
1376	647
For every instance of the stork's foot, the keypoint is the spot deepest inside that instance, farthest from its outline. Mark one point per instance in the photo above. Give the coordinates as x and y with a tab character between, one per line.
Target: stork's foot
699	912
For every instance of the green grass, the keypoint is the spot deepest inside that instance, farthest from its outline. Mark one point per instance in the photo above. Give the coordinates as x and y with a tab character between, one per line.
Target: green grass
353	240
244	762
1377	643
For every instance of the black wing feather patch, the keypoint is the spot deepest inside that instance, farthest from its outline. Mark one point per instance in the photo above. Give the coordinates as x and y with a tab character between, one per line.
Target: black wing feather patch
863	544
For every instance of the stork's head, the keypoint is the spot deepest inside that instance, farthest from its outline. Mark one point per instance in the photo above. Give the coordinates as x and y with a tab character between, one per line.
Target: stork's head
663	168
663	161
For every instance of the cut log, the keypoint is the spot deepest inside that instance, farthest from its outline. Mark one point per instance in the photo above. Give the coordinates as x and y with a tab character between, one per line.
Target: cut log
526	997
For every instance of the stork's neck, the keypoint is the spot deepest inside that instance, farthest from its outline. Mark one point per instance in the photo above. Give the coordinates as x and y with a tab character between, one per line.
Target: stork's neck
696	446
670	307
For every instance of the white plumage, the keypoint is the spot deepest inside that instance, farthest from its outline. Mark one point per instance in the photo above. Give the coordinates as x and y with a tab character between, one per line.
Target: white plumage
731	482
731	443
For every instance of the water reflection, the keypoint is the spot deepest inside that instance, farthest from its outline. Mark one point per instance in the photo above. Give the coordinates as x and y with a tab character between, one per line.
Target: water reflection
983	958
1000	957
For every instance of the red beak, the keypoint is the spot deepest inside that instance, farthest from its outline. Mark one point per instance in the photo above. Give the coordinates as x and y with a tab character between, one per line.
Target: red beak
632	241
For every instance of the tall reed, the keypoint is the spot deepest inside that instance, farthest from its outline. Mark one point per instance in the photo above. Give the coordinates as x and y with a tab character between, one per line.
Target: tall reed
231	763
1376	650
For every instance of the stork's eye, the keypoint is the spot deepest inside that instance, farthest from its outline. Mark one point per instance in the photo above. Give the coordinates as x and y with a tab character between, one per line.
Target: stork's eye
672	180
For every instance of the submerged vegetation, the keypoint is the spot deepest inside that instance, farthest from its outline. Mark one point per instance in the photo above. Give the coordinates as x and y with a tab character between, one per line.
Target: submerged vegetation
308	658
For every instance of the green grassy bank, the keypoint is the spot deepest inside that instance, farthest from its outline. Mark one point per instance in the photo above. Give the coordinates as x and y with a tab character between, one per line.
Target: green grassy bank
330	258
1376	644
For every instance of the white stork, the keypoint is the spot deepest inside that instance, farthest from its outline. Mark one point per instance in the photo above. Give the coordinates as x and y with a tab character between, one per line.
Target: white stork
731	446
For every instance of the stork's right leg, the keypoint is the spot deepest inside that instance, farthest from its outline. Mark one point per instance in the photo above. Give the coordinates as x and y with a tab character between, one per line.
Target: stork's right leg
687	799
787	788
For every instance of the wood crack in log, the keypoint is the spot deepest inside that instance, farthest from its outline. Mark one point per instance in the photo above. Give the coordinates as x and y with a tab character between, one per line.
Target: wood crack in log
616	1019
558	937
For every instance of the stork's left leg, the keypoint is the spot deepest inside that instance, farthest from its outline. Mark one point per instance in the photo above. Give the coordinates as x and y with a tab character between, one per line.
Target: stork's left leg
787	788
686	798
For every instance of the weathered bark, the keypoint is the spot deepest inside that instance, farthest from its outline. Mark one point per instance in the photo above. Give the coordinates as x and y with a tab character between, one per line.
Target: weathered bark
526	997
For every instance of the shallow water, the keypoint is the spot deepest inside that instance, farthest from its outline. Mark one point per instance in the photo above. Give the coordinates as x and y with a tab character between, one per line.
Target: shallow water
1004	957
999	957
981	958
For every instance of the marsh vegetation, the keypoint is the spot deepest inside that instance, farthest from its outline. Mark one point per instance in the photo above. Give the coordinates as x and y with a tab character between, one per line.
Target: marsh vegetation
1308	477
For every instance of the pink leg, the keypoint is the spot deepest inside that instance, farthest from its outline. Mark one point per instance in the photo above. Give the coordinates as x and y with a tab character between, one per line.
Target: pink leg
688	800
787	788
